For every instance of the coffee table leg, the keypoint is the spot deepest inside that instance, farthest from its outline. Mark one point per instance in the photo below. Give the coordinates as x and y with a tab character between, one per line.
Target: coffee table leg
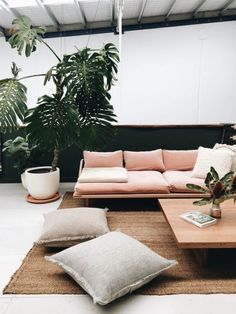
201	256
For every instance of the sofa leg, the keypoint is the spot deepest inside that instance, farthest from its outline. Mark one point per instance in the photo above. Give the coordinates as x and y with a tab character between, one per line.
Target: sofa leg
86	202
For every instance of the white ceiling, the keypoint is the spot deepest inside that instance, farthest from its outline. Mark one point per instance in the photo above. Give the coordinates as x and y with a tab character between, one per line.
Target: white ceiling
81	14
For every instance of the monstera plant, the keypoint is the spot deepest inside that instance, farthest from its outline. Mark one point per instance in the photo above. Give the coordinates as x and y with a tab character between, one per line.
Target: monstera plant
78	111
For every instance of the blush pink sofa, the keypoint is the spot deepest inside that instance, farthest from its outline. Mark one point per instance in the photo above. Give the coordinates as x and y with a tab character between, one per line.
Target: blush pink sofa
157	173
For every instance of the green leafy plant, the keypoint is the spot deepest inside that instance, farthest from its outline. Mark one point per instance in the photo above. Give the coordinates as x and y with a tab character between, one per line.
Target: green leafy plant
220	189
22	154
78	112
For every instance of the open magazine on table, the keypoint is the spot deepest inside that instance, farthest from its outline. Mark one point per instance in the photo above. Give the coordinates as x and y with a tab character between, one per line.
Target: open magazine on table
199	219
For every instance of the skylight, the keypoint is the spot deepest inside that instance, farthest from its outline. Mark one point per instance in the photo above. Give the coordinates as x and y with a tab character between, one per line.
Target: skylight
21	3
57	1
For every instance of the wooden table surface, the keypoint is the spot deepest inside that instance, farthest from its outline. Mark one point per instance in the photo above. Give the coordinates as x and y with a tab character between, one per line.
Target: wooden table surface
187	235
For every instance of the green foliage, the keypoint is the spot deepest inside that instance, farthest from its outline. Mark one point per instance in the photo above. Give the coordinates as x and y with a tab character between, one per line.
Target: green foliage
12	104
22	154
25	36
79	111
15	70
196	188
203	201
87	78
53	124
220	189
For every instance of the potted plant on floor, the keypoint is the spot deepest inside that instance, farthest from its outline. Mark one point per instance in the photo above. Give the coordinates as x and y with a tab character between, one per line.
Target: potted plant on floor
23	156
79	111
220	190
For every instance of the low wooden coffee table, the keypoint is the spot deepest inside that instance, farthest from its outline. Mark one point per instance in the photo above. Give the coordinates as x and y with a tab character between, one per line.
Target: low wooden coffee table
200	240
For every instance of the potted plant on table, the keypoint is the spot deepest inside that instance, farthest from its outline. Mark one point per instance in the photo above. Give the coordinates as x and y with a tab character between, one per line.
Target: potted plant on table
220	190
79	111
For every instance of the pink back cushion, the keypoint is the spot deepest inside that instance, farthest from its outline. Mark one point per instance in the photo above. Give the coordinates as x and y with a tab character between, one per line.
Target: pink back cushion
179	159
103	159
146	160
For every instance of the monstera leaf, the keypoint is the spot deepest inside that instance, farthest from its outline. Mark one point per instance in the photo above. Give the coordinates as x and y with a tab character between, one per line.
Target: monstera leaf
110	56
25	36
96	130
12	104
53	124
86	78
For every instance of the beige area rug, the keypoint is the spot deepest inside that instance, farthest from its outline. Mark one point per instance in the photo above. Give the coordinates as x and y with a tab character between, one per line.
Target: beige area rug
37	276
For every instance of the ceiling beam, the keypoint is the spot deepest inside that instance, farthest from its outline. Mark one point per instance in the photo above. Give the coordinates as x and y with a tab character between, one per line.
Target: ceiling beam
170	9
198	8
226	6
11	11
49	13
144	3
81	12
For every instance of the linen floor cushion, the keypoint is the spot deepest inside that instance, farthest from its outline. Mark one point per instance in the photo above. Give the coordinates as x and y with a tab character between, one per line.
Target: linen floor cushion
179	159
111	266
66	227
144	160
103	174
231	148
103	159
221	160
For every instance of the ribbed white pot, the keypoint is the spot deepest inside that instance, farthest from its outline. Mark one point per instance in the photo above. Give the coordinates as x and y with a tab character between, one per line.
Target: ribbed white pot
42	185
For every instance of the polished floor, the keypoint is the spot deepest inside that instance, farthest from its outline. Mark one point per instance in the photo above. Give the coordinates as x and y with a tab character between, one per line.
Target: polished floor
20	226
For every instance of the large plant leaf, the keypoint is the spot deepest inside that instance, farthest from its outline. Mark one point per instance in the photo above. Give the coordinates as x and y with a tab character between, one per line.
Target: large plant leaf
214	174
227	178
94	137
25	36
203	201
12	104
85	76
53	124
196	188
110	56
208	180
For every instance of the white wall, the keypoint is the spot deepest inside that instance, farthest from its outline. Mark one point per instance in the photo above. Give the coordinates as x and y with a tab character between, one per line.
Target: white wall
177	75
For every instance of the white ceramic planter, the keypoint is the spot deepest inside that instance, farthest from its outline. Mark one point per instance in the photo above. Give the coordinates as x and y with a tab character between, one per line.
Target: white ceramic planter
42	185
23	180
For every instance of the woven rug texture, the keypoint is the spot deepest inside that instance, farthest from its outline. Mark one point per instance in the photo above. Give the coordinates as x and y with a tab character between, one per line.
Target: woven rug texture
38	276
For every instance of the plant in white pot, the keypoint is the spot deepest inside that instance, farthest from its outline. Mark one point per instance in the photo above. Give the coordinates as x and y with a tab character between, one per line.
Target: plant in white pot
23	156
79	111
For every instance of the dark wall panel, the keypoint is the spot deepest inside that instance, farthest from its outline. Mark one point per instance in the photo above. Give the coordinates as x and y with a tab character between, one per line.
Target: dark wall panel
127	138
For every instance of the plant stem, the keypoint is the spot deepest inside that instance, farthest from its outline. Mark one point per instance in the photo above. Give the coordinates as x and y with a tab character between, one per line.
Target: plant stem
59	59
55	159
29	76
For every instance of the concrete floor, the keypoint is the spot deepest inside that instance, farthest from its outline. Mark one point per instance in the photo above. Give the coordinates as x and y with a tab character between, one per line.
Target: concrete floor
20	226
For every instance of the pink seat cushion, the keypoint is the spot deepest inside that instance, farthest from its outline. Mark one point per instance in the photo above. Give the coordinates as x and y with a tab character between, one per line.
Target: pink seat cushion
179	159
139	182
178	179
103	159
144	160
